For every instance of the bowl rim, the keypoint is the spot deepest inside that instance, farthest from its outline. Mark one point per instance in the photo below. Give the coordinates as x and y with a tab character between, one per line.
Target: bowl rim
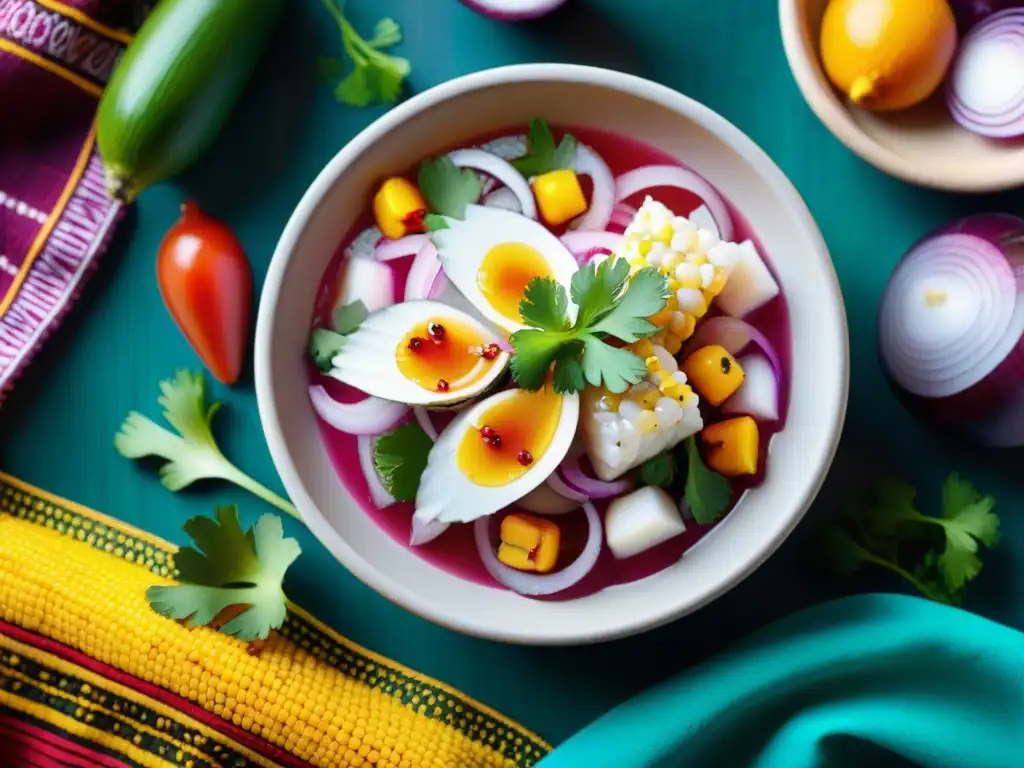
571	74
823	103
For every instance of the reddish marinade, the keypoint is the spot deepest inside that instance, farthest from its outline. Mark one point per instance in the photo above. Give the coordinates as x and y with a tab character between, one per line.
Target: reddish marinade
455	551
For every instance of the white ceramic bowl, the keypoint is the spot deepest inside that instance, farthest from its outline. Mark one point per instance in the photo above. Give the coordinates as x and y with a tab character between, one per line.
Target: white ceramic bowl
458	111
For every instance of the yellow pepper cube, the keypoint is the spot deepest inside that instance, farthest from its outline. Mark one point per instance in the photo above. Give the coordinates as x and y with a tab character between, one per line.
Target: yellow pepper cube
529	543
399	208
713	373
559	197
732	446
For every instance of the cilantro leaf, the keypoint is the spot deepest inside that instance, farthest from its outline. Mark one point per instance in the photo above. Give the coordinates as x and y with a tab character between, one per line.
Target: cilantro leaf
889	531
628	318
616	368
230	569
192	454
348	318
659	471
543	156
434	222
401	456
447	188
707	491
535	352
324	344
609	305
545	305
376	76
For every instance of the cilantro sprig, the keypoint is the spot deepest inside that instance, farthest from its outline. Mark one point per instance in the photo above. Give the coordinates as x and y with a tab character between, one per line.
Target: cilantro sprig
376	76
448	189
232	576
938	556
325	344
609	306
707	492
401	457
192	454
543	155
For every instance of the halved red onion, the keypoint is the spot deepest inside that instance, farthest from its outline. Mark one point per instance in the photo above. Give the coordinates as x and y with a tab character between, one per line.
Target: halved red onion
583	245
500	169
602	200
558	485
426	423
578	480
622	215
364	244
951	326
365	280
513	10
380	495
653	176
409	245
758	395
505	198
423	274
371	416
734	335
532	584
985	89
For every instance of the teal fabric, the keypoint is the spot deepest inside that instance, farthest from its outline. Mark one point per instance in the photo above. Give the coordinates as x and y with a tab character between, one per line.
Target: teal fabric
873	680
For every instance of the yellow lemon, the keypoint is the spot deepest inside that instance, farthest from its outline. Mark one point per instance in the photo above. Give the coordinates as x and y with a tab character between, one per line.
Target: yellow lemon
887	54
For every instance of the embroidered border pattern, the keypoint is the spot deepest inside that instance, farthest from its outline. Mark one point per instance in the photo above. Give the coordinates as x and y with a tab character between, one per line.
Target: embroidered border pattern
49	33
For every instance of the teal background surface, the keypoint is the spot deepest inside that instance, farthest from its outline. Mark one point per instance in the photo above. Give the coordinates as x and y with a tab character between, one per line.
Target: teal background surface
57	427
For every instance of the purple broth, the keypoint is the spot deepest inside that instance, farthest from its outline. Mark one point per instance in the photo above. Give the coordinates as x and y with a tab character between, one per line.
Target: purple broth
455	551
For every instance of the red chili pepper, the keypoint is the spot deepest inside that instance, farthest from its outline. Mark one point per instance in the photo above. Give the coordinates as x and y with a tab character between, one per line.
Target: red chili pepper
206	282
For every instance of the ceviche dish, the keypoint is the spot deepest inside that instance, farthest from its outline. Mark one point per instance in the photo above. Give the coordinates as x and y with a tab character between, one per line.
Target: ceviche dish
550	360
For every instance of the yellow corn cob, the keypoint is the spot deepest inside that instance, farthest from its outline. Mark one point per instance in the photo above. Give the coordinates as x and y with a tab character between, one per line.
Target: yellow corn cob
326	703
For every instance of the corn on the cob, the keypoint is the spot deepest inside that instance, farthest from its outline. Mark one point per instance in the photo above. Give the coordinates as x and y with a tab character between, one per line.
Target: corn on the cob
325	703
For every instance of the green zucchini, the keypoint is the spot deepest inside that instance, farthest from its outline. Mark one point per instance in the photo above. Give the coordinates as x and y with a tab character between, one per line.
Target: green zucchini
176	85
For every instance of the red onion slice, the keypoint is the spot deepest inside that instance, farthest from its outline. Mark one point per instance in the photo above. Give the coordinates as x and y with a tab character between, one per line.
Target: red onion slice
364	244
758	395
544	501
370	417
557	484
504	198
576	479
532	584
503	171
423	274
734	335
424	533
602	201
583	245
985	89
378	492
367	281
622	215
409	245
653	176
513	10
426	423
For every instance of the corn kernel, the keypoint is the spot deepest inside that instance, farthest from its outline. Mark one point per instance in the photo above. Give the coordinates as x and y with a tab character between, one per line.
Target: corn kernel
529	543
672	343
664	235
653	364
714	373
732	446
688	275
644	248
661	319
717	283
647	422
646	397
664	379
643	348
559	196
699	259
671	261
682	324
609	402
399	208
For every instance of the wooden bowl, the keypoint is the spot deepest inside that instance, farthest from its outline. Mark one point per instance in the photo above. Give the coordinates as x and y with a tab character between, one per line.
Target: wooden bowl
922	145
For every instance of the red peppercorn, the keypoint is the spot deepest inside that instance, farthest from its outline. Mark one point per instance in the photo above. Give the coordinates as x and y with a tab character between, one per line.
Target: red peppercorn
491	351
416	342
496	441
442	385
487	432
436	331
525	458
